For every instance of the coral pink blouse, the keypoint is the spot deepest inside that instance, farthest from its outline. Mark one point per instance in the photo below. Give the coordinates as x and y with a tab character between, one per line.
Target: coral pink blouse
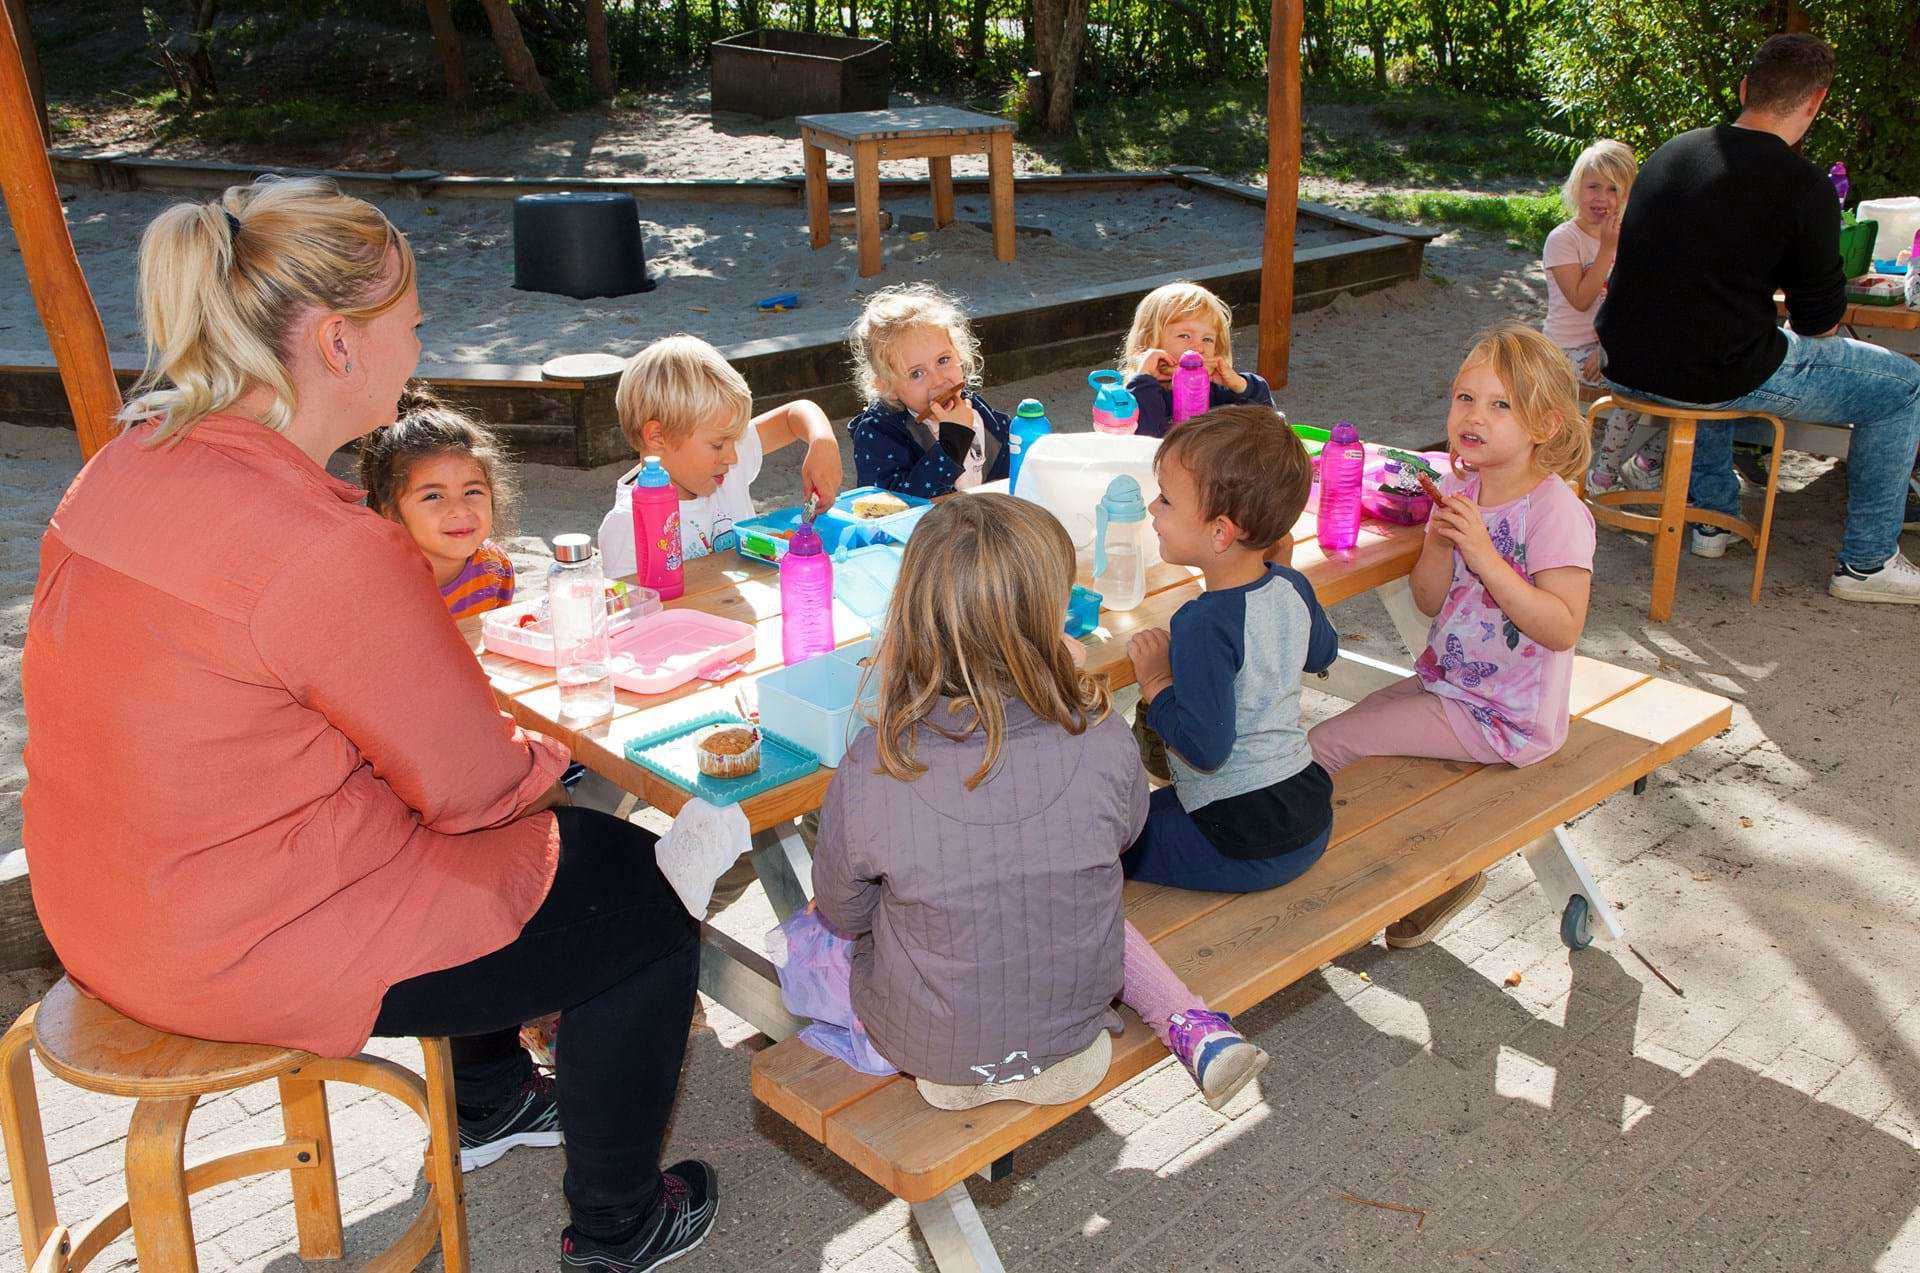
265	778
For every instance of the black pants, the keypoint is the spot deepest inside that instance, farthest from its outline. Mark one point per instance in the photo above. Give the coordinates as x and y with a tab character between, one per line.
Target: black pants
616	954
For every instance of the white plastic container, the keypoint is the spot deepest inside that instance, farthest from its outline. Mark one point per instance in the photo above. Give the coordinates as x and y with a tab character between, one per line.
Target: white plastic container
814	704
1899	221
1068	474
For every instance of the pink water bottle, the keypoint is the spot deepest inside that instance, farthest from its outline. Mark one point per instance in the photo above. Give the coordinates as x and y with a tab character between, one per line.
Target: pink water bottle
806	597
656	531
1342	461
1190	387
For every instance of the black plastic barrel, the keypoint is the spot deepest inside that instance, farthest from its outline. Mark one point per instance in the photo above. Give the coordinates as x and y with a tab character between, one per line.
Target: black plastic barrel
578	245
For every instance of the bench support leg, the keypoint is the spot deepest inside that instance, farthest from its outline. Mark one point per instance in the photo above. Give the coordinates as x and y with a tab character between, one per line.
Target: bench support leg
785	868
744	982
1407	619
955	1234
1560	872
999	1169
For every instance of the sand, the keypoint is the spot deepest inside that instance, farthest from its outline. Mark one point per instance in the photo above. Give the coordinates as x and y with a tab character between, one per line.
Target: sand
712	262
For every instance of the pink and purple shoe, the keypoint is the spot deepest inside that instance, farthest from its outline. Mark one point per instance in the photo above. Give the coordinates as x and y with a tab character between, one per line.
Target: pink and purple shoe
1218	1057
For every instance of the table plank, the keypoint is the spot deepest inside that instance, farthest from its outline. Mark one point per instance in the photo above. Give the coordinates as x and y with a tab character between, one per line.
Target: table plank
910	121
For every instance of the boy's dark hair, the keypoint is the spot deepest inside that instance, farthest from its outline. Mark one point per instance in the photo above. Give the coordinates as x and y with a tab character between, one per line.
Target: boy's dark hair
1786	71
1249	466
428	427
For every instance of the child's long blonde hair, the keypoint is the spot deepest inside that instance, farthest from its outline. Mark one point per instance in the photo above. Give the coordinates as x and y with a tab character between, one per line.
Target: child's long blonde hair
1607	159
1170	304
975	620
1541	387
889	314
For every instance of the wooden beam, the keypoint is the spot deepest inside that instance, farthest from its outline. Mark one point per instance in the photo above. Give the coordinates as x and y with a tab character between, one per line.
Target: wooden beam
30	58
46	248
1283	190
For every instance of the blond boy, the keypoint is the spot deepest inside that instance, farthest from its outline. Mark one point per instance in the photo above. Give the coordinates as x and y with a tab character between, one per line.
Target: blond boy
680	400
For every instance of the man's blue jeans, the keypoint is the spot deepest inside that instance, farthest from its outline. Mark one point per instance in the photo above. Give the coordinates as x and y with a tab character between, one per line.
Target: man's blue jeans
1829	380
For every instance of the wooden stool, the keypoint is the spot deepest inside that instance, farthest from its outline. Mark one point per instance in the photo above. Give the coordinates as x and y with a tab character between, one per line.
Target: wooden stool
1668	527
90	1045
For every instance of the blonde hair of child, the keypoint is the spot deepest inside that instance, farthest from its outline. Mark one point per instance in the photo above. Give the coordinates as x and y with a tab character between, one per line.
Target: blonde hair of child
1170	304
1543	393
1607	159
222	284
685	384
975	620
891	313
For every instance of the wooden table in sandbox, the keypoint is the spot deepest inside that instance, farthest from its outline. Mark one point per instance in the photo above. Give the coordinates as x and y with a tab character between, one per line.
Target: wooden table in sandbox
727	585
933	133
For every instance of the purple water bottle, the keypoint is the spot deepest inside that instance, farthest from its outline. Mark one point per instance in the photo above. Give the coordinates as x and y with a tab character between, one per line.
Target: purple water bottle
1342	461
1190	387
806	597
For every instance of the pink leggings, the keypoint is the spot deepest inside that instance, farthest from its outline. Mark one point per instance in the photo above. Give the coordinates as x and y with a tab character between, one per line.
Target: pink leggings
1401	720
1153	989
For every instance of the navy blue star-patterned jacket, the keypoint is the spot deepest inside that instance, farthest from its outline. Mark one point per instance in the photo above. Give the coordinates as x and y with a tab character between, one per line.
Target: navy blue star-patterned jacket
1156	400
890	451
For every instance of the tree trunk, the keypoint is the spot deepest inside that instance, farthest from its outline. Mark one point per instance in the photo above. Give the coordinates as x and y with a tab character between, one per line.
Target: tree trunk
977	32
813	16
452	65
1377	45
599	56
513	52
1060	31
200	79
682	32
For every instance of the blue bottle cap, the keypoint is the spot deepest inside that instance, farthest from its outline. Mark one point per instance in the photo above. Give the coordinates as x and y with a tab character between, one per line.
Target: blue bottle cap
1030	408
652	474
1123	501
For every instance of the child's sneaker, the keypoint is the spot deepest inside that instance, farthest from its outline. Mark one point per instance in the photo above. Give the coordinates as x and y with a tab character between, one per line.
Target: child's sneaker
1640	474
1602	478
689	1200
1218	1057
531	1118
1711	541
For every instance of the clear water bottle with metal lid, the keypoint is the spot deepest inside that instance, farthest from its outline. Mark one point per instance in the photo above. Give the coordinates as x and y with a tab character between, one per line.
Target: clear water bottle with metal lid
577	609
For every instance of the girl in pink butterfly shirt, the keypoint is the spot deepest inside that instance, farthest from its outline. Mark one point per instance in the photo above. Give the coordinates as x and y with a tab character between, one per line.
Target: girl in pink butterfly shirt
1505	574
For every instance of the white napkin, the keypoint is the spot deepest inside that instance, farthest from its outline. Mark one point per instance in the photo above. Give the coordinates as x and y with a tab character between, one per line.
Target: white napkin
700	846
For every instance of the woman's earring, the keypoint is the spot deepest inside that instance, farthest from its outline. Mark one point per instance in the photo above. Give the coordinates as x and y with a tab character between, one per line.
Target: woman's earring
349	367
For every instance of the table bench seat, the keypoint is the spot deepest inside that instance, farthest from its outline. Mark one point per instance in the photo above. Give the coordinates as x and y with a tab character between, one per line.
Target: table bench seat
1405	831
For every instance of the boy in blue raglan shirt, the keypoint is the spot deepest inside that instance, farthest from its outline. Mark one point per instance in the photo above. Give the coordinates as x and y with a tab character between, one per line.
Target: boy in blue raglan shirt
1249	808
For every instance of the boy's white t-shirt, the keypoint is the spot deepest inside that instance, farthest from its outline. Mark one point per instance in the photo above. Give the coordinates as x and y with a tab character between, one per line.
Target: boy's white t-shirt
706	524
1566	326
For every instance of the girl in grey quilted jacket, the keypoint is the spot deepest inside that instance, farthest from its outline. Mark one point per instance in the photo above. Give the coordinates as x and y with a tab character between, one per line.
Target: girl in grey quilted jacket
970	842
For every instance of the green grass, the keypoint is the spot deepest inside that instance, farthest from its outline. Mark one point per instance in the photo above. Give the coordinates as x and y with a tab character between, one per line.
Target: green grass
1421	136
1522	218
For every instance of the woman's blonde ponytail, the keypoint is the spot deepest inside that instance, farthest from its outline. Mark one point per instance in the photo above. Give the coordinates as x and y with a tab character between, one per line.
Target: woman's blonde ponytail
221	285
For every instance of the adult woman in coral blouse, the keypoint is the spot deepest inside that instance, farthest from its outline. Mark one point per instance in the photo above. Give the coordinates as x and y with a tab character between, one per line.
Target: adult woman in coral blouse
269	797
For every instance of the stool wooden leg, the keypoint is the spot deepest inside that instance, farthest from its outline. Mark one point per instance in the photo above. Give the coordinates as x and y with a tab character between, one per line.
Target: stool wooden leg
940	176
816	194
443	1156
1766	511
157	1184
316	1189
866	205
1000	184
26	1142
1671	540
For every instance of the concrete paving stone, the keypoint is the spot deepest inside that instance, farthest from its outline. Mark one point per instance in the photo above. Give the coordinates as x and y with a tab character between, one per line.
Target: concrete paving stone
1159	1089
1169	1135
845	1244
880	1259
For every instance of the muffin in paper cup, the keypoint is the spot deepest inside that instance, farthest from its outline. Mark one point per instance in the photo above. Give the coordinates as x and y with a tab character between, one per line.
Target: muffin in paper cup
729	751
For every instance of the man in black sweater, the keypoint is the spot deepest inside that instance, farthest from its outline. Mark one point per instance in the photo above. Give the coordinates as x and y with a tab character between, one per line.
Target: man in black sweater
1718	219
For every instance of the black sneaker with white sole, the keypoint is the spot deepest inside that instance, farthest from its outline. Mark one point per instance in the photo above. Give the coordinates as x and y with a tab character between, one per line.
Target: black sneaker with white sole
689	1201
531	1118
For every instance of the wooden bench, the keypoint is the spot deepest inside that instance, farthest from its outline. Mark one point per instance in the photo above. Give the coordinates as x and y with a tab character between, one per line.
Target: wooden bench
1405	831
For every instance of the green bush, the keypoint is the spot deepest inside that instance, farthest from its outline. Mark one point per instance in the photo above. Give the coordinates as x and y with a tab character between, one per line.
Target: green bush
1646	70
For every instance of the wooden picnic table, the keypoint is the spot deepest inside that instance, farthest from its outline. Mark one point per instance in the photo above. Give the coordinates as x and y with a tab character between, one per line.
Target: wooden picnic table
933	133
728	585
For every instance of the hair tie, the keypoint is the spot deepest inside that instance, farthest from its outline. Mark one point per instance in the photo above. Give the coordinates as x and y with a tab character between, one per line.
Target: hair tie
233	225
